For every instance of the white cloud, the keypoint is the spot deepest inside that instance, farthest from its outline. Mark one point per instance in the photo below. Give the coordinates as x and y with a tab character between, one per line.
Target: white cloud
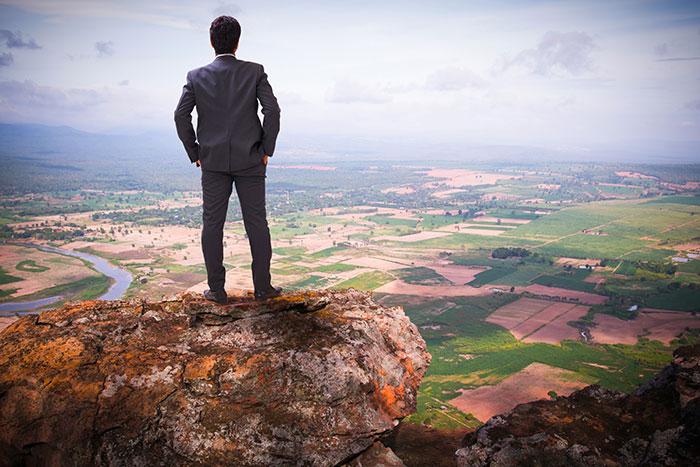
6	59
14	40
557	53
347	91
104	48
229	9
59	10
453	79
27	96
661	50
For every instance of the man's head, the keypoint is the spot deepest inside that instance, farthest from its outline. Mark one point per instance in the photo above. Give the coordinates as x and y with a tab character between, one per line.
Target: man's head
224	33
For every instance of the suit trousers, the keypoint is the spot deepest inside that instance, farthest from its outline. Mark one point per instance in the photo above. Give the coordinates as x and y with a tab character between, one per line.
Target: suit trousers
216	191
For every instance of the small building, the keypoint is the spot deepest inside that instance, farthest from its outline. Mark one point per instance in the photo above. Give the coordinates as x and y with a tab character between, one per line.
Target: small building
678	259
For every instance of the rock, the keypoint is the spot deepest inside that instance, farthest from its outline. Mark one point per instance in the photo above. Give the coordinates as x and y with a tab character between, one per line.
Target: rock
307	379
420	446
655	425
376	456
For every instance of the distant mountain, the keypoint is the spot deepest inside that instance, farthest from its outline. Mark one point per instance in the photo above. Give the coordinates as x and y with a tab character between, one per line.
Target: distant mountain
68	144
38	158
31	140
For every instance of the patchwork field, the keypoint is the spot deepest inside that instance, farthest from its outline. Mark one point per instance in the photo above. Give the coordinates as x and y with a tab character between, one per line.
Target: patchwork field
533	320
660	325
520	278
32	274
535	381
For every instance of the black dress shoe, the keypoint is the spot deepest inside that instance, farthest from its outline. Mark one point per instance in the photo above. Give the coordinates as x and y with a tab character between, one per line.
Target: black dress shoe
218	297
272	292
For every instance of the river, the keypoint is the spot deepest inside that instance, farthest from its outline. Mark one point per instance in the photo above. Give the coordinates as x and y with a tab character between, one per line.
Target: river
121	277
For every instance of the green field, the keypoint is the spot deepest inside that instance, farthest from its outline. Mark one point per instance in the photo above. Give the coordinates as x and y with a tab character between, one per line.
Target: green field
393	221
692	266
564	282
30	265
420	276
682	299
634	230
6	278
565	222
592	246
490	275
366	281
311	282
689	200
626	269
337	267
461	330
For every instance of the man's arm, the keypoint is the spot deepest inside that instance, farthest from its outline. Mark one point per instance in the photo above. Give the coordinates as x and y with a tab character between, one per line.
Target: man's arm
183	121
271	114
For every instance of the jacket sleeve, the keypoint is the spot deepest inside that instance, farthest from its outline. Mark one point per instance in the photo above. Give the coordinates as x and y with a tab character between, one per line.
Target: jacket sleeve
271	113
183	121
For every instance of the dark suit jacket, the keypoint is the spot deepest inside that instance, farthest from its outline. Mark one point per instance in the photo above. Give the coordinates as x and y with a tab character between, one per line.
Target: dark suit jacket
229	136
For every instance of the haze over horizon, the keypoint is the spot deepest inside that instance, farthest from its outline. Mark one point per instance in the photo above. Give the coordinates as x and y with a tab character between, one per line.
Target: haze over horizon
555	74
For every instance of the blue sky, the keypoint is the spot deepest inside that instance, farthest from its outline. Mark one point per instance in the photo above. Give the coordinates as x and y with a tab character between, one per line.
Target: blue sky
546	73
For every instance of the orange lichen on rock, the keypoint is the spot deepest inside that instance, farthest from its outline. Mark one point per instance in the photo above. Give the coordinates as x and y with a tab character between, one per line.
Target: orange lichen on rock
184	381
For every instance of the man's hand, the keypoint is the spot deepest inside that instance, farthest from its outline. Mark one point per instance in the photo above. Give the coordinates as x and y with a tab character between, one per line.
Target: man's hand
265	160
198	164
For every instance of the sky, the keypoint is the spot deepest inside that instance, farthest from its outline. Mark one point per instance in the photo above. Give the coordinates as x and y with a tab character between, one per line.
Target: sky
511	72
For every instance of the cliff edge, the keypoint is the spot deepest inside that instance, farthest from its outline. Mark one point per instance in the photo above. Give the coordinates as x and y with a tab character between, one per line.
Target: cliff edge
308	379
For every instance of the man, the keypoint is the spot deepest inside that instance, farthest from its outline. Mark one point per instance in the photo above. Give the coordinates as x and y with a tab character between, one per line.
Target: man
231	147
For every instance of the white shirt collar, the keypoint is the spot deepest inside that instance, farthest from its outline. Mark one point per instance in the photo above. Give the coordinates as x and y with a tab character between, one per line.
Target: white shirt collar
221	55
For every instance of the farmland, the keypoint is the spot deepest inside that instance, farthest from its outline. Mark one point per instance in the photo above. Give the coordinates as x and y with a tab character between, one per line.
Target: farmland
549	277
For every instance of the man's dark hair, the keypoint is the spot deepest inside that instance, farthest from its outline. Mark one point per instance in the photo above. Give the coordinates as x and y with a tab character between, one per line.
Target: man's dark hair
224	33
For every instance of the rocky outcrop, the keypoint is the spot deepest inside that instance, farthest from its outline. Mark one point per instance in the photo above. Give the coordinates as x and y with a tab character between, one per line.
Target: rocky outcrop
307	379
659	424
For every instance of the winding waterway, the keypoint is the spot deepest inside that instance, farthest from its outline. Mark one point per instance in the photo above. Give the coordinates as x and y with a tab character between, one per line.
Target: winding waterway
121	277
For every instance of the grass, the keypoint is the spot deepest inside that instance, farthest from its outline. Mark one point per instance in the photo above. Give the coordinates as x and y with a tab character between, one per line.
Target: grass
421	276
289	250
440	414
498	355
337	267
7	293
565	222
366	281
564	282
393	221
592	246
458	241
434	221
6	278
682	299
513	214
656	255
87	288
692	266
626	269
525	273
30	265
311	282
490	275
690	200
327	252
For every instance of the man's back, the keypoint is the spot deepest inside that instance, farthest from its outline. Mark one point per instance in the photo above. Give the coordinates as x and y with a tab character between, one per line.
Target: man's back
229	135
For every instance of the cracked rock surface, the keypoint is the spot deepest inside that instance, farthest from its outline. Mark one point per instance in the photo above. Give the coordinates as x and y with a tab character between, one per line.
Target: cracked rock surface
307	379
657	425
